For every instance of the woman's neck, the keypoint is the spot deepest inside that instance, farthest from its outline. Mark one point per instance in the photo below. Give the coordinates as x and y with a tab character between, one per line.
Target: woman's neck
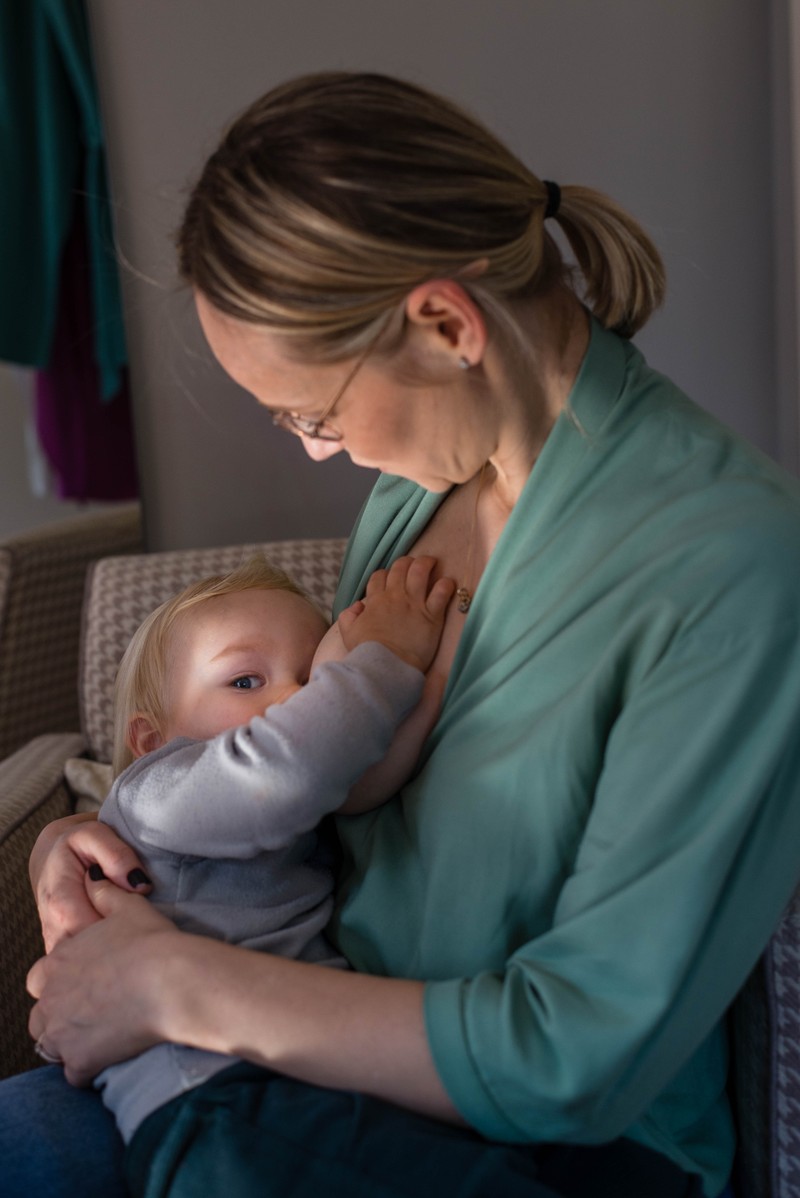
531	396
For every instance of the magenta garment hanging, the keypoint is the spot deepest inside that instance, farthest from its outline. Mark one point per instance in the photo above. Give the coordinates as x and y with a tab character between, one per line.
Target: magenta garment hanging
87	440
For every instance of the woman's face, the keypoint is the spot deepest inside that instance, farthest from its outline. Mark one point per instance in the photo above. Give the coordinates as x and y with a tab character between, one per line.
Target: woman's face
435	440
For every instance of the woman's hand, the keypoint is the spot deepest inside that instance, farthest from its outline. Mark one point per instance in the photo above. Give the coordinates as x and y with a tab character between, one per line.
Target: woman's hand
63	853
132	980
100	993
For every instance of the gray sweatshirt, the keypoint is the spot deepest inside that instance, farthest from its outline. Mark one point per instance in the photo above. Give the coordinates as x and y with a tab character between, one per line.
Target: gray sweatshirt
225	831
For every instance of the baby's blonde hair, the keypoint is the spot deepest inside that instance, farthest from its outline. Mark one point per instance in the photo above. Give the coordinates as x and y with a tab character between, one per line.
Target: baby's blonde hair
331	198
141	682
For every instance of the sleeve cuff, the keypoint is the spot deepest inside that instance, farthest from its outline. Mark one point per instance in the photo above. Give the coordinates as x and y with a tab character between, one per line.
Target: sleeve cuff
452	1059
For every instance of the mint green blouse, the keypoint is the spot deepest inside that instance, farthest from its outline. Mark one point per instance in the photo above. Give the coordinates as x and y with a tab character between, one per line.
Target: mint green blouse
604	827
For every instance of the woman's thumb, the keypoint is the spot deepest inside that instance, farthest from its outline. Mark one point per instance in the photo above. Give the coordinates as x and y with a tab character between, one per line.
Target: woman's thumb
106	897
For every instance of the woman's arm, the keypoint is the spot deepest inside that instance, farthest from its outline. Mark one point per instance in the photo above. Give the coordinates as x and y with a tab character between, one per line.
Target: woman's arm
63	852
132	980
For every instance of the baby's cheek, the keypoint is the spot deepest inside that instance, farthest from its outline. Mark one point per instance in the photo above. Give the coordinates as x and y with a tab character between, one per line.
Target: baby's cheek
330	648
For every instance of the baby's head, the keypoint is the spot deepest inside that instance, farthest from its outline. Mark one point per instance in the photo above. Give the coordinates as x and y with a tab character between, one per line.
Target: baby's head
212	657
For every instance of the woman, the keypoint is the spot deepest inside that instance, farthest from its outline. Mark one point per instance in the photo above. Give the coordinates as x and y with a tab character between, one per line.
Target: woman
549	922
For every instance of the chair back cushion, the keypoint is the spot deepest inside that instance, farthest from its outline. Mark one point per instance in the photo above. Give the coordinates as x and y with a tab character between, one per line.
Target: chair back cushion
122	591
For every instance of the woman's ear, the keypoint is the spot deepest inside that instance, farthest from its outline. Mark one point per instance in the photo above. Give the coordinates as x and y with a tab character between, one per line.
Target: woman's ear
447	315
143	735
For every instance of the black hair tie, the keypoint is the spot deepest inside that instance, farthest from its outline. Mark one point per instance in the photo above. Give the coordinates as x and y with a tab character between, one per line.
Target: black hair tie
553	198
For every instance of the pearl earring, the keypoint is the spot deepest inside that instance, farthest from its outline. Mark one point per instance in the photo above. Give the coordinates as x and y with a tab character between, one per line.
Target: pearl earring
464	363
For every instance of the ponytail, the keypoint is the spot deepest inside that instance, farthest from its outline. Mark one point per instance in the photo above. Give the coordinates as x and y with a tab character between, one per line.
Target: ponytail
622	269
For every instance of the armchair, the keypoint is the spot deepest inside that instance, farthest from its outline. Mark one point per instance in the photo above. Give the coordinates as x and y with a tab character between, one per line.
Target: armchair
34	788
765	1019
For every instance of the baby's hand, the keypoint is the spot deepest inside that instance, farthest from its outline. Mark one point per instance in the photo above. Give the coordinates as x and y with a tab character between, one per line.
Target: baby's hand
401	610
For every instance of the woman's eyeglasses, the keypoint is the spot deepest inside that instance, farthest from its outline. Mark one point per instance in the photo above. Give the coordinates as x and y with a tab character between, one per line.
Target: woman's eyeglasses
319	429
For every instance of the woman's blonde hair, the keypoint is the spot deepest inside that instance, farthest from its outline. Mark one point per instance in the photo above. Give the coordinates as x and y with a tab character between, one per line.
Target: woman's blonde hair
333	196
141	682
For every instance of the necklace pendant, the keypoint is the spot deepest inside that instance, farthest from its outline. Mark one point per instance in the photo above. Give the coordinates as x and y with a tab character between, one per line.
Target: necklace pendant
464	599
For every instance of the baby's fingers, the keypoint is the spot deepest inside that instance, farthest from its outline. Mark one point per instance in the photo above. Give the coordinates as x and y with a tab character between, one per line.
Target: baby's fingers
376	584
348	617
440	595
418	577
397	577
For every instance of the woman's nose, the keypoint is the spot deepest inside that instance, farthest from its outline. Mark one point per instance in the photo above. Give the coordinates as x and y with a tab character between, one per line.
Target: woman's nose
319	450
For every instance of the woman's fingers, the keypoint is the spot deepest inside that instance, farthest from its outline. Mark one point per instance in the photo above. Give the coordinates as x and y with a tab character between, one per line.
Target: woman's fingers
64	909
97	844
97	993
63	854
90	843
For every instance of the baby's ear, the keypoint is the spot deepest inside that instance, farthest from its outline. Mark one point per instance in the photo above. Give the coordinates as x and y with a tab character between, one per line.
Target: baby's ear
143	736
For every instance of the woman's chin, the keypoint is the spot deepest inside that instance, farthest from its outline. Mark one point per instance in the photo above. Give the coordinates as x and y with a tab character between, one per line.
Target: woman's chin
429	482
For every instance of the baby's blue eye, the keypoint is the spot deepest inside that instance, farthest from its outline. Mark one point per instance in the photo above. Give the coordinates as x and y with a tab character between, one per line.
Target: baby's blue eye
247	682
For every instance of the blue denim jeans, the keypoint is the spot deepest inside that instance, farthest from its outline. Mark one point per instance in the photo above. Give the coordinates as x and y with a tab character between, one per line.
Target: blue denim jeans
56	1141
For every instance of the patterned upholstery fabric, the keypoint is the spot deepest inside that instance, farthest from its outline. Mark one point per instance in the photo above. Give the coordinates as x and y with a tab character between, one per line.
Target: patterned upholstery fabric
121	591
782	968
42	577
31	795
765	1024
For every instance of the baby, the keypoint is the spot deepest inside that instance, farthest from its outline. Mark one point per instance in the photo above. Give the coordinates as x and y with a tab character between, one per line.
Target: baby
242	720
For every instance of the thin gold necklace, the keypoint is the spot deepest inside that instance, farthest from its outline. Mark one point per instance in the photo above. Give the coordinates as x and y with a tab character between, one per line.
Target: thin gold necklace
464	594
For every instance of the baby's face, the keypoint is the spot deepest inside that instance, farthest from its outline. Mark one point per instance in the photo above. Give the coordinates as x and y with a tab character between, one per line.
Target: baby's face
233	656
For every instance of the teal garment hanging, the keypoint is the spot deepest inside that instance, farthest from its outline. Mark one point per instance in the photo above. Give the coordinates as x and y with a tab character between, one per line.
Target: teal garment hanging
52	158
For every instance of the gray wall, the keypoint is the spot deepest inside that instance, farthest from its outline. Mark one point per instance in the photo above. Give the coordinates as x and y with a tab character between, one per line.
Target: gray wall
666	105
23	505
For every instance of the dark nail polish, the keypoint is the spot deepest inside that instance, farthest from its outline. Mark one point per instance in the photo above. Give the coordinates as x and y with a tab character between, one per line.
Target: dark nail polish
96	873
137	877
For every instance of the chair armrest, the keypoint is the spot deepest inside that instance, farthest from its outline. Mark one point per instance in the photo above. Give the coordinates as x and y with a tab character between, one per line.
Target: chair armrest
32	793
42	578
